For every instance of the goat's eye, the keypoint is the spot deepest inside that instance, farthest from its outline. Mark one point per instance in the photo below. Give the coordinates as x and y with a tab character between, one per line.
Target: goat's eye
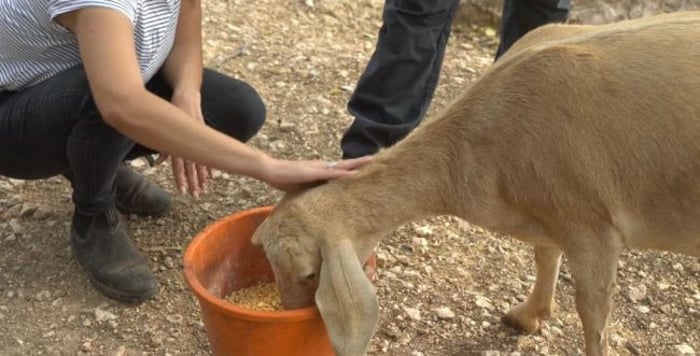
310	276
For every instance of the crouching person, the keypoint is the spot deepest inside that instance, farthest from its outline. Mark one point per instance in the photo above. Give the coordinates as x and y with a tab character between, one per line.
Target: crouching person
87	85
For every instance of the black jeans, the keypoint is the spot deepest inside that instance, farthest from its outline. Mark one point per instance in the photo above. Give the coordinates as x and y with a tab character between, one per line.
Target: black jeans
395	91
55	128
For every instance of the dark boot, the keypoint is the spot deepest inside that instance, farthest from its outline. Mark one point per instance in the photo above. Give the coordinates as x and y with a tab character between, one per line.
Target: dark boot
136	195
113	263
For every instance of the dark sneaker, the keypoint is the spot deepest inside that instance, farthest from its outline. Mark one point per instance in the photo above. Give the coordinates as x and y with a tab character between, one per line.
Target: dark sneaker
136	195
113	263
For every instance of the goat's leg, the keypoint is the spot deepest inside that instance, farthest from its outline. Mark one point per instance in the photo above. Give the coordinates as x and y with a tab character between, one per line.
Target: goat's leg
527	315
593	262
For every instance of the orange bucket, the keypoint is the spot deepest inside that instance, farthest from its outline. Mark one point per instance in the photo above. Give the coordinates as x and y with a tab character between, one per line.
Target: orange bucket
220	260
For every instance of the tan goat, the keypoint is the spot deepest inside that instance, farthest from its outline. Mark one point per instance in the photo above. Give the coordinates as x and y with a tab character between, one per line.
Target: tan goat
582	140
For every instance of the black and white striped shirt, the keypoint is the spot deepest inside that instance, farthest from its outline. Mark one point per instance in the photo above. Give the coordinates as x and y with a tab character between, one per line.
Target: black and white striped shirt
34	47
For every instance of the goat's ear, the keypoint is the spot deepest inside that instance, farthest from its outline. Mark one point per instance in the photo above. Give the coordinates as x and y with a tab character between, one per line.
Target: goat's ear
259	232
347	300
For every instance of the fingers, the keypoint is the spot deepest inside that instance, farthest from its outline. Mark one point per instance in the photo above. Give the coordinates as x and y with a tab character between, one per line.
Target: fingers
202	176
178	167
354	163
192	181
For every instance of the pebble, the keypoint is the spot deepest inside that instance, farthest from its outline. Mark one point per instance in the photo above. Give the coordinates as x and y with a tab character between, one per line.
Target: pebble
287	127
11	237
121	351
16	227
444	313
412	313
12	212
416	353
41	213
27	210
424	231
637	293
174	318
685	349
483	302
643	309
102	315
490	353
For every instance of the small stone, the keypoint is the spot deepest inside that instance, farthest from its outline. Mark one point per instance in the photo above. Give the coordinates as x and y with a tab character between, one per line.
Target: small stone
121	351
10	294
637	293
632	348
287	127
11	237
424	231
70	318
685	349
483	302
27	210
41	213
102	315
169	262
347	88
643	309
412	313
490	353
86	346
16	227
49	334
12	212
309	3
416	353
174	318
87	322
444	313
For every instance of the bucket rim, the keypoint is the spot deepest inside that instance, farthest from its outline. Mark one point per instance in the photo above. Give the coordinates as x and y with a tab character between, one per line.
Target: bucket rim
231	309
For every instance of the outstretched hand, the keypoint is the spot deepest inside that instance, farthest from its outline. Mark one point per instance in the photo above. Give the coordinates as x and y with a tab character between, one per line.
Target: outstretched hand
189	176
290	175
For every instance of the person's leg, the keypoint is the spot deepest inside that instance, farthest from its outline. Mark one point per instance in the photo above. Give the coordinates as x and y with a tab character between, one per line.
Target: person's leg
396	89
522	16
54	127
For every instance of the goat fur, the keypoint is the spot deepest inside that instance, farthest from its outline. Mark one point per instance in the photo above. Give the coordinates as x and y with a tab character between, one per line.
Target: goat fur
582	140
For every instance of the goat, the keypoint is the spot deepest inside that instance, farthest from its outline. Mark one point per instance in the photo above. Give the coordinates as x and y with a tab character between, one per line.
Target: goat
581	140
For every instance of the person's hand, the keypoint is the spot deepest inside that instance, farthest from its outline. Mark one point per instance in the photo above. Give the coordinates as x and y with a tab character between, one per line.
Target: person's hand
189	176
290	175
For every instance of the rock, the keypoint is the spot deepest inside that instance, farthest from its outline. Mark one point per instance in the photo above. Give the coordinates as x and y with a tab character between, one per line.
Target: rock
27	210
637	293
483	302
309	3
412	313
16	227
102	315
120	351
444	313
643	309
41	213
416	353
490	353
424	231
11	237
174	318
287	127
685	349
13	212
86	346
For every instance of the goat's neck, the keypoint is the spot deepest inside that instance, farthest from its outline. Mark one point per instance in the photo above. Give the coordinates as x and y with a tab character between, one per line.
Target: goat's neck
407	182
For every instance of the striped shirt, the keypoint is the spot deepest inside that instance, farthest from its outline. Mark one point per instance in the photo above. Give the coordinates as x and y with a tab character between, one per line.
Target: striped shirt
34	47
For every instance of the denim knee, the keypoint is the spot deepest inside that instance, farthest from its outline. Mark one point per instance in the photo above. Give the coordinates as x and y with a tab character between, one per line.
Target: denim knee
232	107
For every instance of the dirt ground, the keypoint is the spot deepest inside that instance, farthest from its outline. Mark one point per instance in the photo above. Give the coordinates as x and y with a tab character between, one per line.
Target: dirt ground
304	59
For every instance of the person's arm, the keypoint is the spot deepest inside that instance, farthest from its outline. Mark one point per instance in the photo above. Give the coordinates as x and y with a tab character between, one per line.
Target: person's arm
106	44
183	68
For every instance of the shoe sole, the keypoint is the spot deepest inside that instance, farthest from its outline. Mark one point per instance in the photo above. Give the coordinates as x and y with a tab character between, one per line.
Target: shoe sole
152	214
114	293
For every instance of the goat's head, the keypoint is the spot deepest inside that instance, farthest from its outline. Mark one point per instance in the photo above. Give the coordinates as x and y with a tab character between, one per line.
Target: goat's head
315	260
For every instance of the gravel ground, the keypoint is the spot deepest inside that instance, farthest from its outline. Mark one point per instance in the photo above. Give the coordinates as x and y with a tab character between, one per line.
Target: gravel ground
443	284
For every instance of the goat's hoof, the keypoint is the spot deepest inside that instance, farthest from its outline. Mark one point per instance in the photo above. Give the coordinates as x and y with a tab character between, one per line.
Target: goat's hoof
520	318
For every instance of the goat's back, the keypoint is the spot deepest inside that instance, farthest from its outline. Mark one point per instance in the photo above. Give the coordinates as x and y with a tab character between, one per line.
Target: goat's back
589	125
